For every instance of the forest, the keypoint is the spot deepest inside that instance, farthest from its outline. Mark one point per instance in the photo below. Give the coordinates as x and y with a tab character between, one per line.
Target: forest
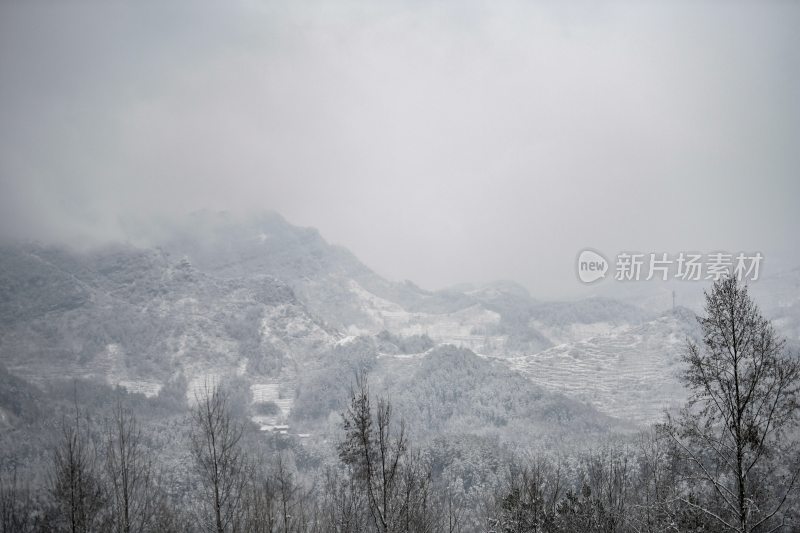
117	461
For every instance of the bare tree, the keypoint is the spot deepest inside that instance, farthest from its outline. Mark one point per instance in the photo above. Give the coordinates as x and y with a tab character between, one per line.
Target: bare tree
733	433
219	460
655	484
76	484
529	502
287	492
130	474
343	503
260	506
377	455
16	505
607	473
451	510
415	509
274	501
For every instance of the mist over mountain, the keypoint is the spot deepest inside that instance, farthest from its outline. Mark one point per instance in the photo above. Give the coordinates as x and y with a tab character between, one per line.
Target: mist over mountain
399	267
261	299
288	322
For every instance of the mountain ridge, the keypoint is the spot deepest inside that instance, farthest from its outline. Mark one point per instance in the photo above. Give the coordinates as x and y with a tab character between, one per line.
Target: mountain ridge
270	301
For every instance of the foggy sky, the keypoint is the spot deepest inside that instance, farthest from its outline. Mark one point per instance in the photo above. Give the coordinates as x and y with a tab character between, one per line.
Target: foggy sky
441	142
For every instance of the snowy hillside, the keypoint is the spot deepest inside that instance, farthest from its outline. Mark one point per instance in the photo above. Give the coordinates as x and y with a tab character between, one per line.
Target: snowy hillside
268	303
139	318
631	373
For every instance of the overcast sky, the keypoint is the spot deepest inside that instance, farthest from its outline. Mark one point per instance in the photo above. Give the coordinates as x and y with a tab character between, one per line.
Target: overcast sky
441	142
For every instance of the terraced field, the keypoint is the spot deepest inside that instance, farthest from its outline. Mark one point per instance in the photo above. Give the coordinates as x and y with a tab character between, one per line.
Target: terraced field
271	392
630	374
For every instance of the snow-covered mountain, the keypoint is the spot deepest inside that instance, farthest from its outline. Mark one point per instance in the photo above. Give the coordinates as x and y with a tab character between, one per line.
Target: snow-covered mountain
269	303
140	318
497	319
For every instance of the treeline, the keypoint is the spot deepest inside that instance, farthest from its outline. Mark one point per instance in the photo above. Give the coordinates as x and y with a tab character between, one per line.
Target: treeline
729	461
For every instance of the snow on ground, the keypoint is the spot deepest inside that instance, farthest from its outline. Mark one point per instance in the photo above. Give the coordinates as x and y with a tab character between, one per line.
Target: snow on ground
264	392
110	366
271	392
630	374
419	355
200	383
148	388
462	328
346	340
575	332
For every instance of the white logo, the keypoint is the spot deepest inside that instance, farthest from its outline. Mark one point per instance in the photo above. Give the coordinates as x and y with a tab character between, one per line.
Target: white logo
591	266
685	266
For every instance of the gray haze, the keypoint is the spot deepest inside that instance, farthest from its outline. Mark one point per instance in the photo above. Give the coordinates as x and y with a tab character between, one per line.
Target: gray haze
439	141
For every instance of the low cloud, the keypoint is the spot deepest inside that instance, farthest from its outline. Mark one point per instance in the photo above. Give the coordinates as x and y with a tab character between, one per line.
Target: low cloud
440	142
